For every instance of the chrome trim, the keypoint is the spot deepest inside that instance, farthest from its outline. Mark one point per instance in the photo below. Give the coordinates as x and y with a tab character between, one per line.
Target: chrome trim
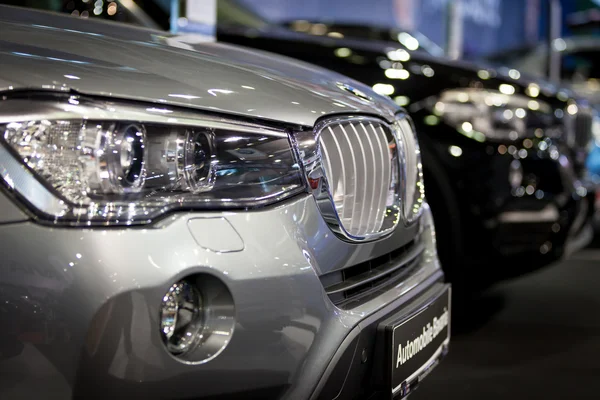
416	197
549	213
17	177
316	157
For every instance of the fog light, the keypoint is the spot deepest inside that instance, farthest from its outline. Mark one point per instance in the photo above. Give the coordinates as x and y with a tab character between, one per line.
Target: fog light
181	318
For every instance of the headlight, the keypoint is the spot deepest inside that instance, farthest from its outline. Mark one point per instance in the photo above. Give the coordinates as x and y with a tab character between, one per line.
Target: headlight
415	189
99	162
483	114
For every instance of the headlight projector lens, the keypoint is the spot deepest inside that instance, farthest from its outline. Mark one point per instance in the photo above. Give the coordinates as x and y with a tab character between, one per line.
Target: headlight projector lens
181	318
124	156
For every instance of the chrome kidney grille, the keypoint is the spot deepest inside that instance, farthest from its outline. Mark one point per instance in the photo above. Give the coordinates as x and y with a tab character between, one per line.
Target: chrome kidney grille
362	172
358	170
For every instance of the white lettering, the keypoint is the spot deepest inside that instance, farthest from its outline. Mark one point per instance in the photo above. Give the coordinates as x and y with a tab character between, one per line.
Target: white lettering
399	359
429	332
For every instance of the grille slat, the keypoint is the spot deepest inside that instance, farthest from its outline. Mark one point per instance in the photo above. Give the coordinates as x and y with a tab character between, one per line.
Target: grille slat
385	171
374	183
338	162
364	206
351	182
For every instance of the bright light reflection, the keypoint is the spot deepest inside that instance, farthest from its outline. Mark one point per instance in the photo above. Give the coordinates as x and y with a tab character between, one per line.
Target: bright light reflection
401	100
483	74
342	52
533	90
398	55
184	96
215	91
397	73
408	41
72	77
533	105
383	88
513	73
507	89
455	151
159	110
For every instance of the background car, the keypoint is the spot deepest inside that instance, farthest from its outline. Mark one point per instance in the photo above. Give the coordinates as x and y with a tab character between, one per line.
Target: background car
199	220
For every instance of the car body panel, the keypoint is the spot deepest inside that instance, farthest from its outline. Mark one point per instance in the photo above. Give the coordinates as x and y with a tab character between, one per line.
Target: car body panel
152	66
57	312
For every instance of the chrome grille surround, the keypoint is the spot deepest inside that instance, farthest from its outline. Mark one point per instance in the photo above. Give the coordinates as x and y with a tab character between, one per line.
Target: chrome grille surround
356	170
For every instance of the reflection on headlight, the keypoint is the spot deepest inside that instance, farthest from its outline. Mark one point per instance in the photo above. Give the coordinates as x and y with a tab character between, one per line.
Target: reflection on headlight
120	163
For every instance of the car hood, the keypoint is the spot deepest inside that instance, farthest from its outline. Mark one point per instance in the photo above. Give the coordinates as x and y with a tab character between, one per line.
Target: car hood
53	52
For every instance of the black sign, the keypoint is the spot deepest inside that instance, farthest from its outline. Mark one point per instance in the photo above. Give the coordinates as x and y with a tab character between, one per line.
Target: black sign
418	342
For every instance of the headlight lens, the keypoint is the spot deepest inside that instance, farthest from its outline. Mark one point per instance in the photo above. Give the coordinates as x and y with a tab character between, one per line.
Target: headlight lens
483	114
117	163
415	189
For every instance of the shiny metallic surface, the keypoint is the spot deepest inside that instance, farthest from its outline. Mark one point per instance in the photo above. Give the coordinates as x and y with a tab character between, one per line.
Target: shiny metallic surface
9	212
181	318
82	312
75	145
16	177
353	167
110	59
365	174
117	275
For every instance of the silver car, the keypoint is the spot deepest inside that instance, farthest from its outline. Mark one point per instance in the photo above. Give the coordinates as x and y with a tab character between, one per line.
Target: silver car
193	220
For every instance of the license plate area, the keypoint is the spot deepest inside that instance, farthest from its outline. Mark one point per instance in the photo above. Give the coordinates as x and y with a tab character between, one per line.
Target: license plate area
414	345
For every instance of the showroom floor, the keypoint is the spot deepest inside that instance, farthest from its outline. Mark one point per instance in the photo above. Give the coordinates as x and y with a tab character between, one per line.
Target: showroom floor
534	337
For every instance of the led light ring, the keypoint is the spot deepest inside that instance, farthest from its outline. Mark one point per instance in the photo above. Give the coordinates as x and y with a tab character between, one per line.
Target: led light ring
182	317
122	156
195	168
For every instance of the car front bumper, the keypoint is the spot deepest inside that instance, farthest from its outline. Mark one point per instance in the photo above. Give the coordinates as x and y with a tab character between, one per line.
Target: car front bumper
83	305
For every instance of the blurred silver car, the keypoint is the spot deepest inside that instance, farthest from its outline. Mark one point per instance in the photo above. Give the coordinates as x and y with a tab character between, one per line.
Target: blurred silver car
188	220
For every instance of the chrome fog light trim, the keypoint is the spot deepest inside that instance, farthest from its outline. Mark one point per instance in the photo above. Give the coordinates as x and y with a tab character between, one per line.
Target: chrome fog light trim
181	319
197	318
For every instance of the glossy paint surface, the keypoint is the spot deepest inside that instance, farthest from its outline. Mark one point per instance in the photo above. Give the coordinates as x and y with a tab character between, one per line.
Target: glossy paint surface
52	52
84	309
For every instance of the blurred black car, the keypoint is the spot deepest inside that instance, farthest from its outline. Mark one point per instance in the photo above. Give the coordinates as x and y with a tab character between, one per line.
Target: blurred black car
503	155
579	62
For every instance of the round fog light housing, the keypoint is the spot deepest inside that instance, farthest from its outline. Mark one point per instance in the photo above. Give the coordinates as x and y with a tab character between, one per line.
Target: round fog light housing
181	318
